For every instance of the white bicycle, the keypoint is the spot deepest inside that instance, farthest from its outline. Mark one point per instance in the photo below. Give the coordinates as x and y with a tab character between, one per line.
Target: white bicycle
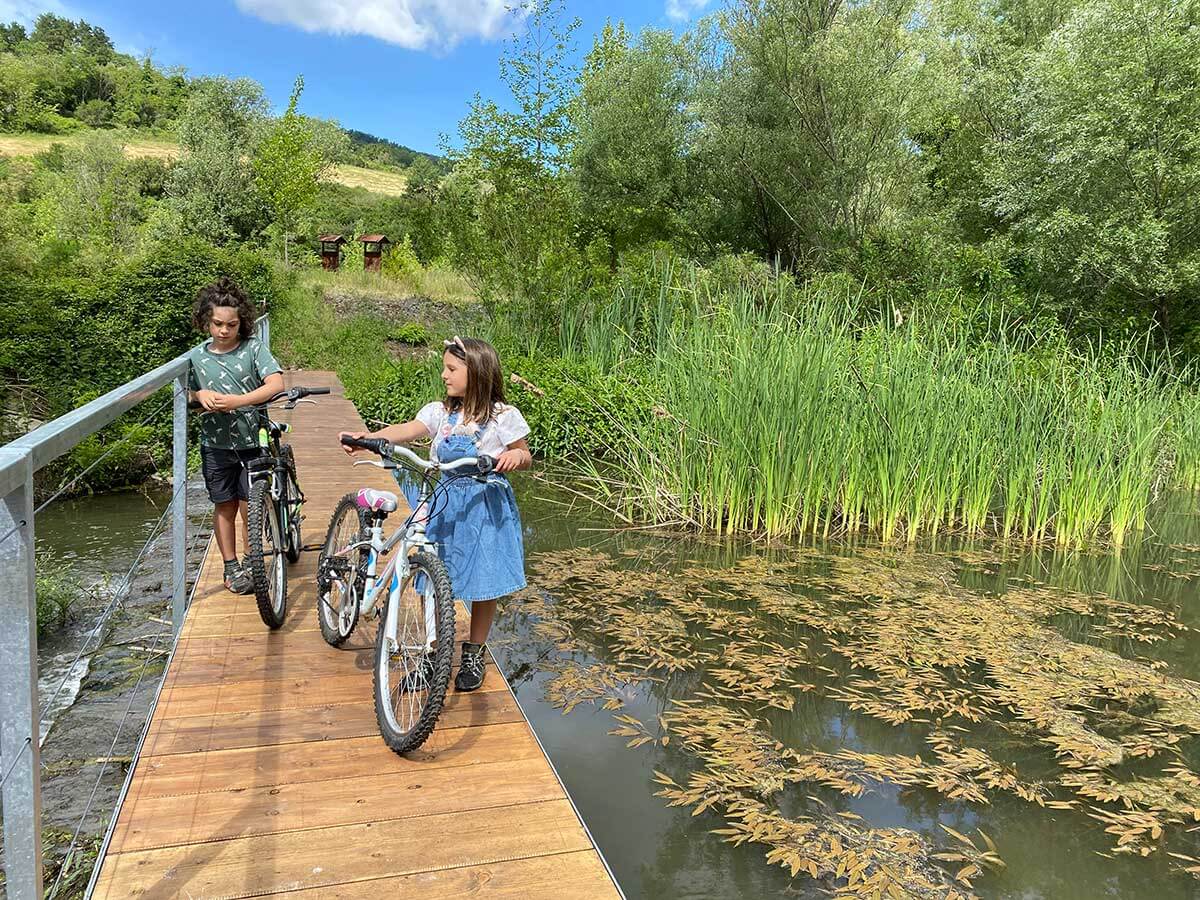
412	666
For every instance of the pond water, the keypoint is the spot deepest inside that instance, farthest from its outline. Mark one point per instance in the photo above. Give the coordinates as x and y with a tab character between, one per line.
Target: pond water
843	702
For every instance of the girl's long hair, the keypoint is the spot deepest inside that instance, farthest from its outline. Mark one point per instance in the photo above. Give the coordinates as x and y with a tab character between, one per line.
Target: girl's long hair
485	385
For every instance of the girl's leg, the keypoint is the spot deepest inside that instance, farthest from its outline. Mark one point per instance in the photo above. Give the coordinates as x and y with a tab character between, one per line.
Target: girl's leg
472	666
482	613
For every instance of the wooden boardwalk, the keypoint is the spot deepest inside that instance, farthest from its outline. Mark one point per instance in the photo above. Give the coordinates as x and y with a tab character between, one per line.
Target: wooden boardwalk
263	771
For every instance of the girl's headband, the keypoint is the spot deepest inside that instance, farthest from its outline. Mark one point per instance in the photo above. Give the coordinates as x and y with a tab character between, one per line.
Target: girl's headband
456	346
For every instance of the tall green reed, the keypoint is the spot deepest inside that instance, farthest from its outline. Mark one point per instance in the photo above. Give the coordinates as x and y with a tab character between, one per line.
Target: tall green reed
784	412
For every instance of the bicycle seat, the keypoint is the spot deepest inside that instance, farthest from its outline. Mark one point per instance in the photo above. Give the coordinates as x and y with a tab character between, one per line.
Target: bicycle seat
377	501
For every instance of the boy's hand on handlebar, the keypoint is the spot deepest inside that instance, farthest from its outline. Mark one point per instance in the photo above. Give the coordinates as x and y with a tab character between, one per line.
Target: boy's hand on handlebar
350	451
209	400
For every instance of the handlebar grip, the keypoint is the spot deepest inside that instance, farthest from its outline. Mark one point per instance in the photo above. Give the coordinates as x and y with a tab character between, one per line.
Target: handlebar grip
316	391
380	446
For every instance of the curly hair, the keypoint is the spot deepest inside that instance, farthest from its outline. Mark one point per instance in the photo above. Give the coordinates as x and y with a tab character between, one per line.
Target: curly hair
224	292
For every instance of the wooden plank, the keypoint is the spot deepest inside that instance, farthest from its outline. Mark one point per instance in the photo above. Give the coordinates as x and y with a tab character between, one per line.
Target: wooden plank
251	767
313	723
563	876
377	797
262	865
248	696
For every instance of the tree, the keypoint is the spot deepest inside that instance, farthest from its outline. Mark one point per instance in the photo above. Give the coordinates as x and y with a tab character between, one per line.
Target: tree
815	114
95	200
512	212
1100	178
211	190
12	36
288	165
633	121
58	35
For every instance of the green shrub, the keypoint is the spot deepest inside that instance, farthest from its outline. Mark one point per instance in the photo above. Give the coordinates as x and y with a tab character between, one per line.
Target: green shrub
59	593
412	333
573	408
95	113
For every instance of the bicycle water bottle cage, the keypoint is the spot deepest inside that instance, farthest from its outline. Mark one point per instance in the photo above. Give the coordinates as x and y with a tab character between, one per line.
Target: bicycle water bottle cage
377	501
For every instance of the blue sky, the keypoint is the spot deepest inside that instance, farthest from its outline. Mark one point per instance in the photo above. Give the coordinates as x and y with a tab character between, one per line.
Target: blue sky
401	69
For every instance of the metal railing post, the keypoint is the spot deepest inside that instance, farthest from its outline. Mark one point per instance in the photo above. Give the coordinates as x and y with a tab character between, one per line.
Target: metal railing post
264	330
20	752
179	514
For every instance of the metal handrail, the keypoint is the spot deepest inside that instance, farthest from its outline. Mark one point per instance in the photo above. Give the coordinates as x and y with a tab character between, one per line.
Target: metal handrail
19	711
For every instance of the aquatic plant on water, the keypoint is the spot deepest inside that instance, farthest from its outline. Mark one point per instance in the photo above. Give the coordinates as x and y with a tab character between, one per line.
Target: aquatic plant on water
894	635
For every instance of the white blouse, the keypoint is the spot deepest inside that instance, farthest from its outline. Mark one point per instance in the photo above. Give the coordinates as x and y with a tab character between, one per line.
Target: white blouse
506	426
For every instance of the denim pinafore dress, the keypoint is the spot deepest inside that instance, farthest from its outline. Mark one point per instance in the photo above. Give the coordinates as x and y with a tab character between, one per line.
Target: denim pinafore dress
476	526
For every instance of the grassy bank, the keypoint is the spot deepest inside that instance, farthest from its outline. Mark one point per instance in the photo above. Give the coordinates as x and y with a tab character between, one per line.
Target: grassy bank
138	145
737	402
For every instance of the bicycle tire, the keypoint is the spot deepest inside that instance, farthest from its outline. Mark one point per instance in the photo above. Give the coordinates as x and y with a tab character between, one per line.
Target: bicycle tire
404	737
335	630
291	483
262	521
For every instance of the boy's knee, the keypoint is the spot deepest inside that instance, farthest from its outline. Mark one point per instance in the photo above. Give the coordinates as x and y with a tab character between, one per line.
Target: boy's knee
228	509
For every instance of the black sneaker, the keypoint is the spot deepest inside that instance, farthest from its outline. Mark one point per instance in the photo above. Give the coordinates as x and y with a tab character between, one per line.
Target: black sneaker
419	678
470	673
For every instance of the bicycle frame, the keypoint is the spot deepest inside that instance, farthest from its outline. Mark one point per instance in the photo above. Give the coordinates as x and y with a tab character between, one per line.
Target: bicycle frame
411	537
271	445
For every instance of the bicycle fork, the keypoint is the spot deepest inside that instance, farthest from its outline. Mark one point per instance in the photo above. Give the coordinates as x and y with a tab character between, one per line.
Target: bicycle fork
394	574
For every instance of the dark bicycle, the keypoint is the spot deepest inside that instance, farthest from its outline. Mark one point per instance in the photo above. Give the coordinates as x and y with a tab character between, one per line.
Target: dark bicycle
274	515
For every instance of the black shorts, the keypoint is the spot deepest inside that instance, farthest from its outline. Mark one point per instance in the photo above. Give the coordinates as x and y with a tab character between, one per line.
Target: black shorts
225	473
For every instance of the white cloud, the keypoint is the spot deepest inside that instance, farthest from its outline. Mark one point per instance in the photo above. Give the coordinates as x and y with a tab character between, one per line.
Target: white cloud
682	10
25	11
414	24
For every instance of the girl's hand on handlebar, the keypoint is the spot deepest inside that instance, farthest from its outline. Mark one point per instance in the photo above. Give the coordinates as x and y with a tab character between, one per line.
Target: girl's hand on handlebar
350	451
511	460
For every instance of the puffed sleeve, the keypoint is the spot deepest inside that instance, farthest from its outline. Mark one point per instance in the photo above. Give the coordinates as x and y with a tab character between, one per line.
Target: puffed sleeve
511	425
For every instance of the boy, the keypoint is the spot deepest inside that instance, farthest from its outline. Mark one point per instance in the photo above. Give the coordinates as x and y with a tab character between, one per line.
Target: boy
231	373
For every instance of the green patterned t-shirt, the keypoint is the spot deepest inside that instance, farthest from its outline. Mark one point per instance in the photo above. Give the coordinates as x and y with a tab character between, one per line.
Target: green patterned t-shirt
240	371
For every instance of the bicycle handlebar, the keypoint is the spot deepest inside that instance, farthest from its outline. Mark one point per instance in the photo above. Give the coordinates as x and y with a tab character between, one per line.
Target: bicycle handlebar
386	449
292	395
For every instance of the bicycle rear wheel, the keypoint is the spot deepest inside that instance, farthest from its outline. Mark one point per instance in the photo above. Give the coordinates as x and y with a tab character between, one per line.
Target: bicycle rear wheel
266	553
410	678
341	575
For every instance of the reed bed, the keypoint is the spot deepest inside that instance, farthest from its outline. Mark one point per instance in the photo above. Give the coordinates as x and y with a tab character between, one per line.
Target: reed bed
782	413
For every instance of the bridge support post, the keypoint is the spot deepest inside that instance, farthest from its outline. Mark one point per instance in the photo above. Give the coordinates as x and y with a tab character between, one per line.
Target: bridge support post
20	751
179	513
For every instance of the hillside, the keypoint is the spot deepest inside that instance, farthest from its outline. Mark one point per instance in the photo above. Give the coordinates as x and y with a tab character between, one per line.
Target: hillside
388	183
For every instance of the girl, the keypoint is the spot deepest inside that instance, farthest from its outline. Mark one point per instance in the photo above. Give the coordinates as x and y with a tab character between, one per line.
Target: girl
477	525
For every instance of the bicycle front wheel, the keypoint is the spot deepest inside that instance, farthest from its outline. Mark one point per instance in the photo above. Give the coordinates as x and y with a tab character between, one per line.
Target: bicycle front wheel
413	651
266	552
